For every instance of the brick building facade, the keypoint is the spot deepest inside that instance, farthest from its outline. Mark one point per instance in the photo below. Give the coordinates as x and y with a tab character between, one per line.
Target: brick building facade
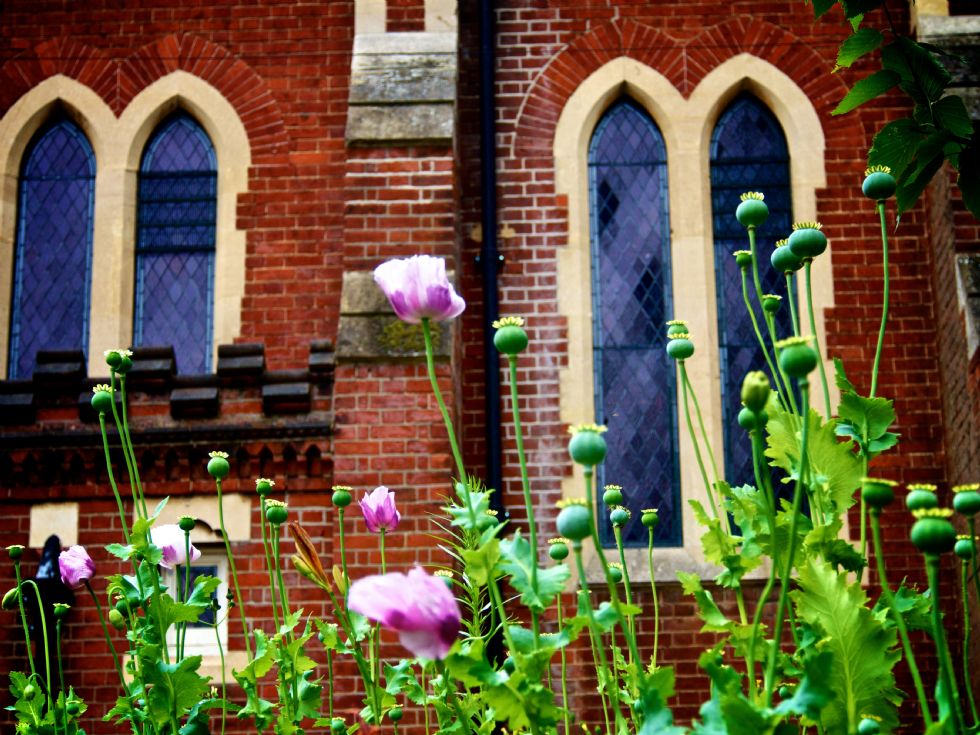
346	133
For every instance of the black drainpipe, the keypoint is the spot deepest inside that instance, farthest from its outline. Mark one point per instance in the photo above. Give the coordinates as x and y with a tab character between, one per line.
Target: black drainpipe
489	261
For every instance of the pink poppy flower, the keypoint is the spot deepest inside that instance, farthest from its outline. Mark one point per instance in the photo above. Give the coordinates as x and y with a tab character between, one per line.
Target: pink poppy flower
170	540
379	510
417	287
417	605
76	567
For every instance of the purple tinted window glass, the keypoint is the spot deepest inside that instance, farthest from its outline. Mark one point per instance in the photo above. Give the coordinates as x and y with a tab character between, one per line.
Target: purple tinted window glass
634	379
54	247
748	153
175	243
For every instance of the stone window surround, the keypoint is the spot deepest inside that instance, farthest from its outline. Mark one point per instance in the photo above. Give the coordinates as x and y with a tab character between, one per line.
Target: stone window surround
686	125
118	143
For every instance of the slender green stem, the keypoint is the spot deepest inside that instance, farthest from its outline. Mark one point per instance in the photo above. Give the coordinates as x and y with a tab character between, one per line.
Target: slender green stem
763	483
182	630
105	632
112	480
224	682
785	394
330	683
899	621
694	441
786	578
44	632
498	602
343	549
618	533
431	365
656	601
526	487
384	566
283	594
266	544
239	600
61	669
128	446
965	599
884	303
942	649
971	524
425	700
451	696
23	617
704	434
816	342
791	297
566	715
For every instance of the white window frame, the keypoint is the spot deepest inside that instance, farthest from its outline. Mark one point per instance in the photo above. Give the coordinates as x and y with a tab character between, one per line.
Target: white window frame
202	641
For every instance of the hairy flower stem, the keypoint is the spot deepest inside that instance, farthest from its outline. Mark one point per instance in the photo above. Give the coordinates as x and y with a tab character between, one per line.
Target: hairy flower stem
231	567
618	533
704	436
23	617
694	441
886	592
816	342
786	577
566	715
786	398
105	632
430	363
964	597
607	681
884	303
112	479
138	503
791	297
128	444
526	487
266	548
44	632
656	601
942	649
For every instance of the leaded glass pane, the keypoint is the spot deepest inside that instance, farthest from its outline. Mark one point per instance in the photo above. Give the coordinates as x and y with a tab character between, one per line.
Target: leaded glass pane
54	247
175	244
634	379
748	153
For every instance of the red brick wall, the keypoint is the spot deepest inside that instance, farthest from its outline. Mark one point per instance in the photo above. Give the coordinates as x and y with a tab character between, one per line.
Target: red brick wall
405	15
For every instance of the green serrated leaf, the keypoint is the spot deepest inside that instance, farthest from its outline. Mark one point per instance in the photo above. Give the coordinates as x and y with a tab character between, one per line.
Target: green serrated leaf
812	693
929	76
864	651
820	7
853	8
895	145
865	90
910	189
517	560
481	563
714	619
950	113
857	45
121	551
840	377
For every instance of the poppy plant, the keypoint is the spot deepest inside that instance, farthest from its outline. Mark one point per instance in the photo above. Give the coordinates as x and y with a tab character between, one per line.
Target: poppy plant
418	289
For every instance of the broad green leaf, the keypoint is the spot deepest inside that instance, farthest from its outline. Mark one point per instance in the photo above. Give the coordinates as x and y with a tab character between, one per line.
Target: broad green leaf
840	377
915	608
654	690
204	587
910	189
121	551
864	651
820	7
854	8
871	416
480	563
865	90
159	509
894	146
950	113
473	505
857	45
517	560
929	76
172	689
401	679
812	693
714	619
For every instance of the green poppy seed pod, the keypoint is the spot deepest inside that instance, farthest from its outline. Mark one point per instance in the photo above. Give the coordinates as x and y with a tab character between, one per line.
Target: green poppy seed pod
15	551
921	500
879	184
753	211
113	358
615	575
612	495
558	550
680	348
122	606
61	610
587	447
748	419
743	258
395	714
510	666
574	522
868	726
756	390
102	401
276	513
11	599
510	339
796	357
218	466
125	365
877	493
263	487
964	549
771	303
784	260
30	691
73	708
337	726
341	497
807	241
186	524
932	535
619	517
650	518
675	327
116	619
967	502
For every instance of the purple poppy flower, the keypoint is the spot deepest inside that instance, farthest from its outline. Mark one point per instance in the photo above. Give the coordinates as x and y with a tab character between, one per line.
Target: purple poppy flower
76	566
379	510
417	287
417	605
170	540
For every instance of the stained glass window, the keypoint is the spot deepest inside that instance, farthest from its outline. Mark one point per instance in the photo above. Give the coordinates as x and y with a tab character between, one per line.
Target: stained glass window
748	153
631	300
175	243
53	251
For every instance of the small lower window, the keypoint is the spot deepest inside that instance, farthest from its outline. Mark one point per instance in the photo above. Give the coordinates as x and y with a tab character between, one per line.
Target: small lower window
202	638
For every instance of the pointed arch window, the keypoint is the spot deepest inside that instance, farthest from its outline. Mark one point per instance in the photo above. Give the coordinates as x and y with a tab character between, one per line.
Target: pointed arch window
634	381
748	153
52	264
175	244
